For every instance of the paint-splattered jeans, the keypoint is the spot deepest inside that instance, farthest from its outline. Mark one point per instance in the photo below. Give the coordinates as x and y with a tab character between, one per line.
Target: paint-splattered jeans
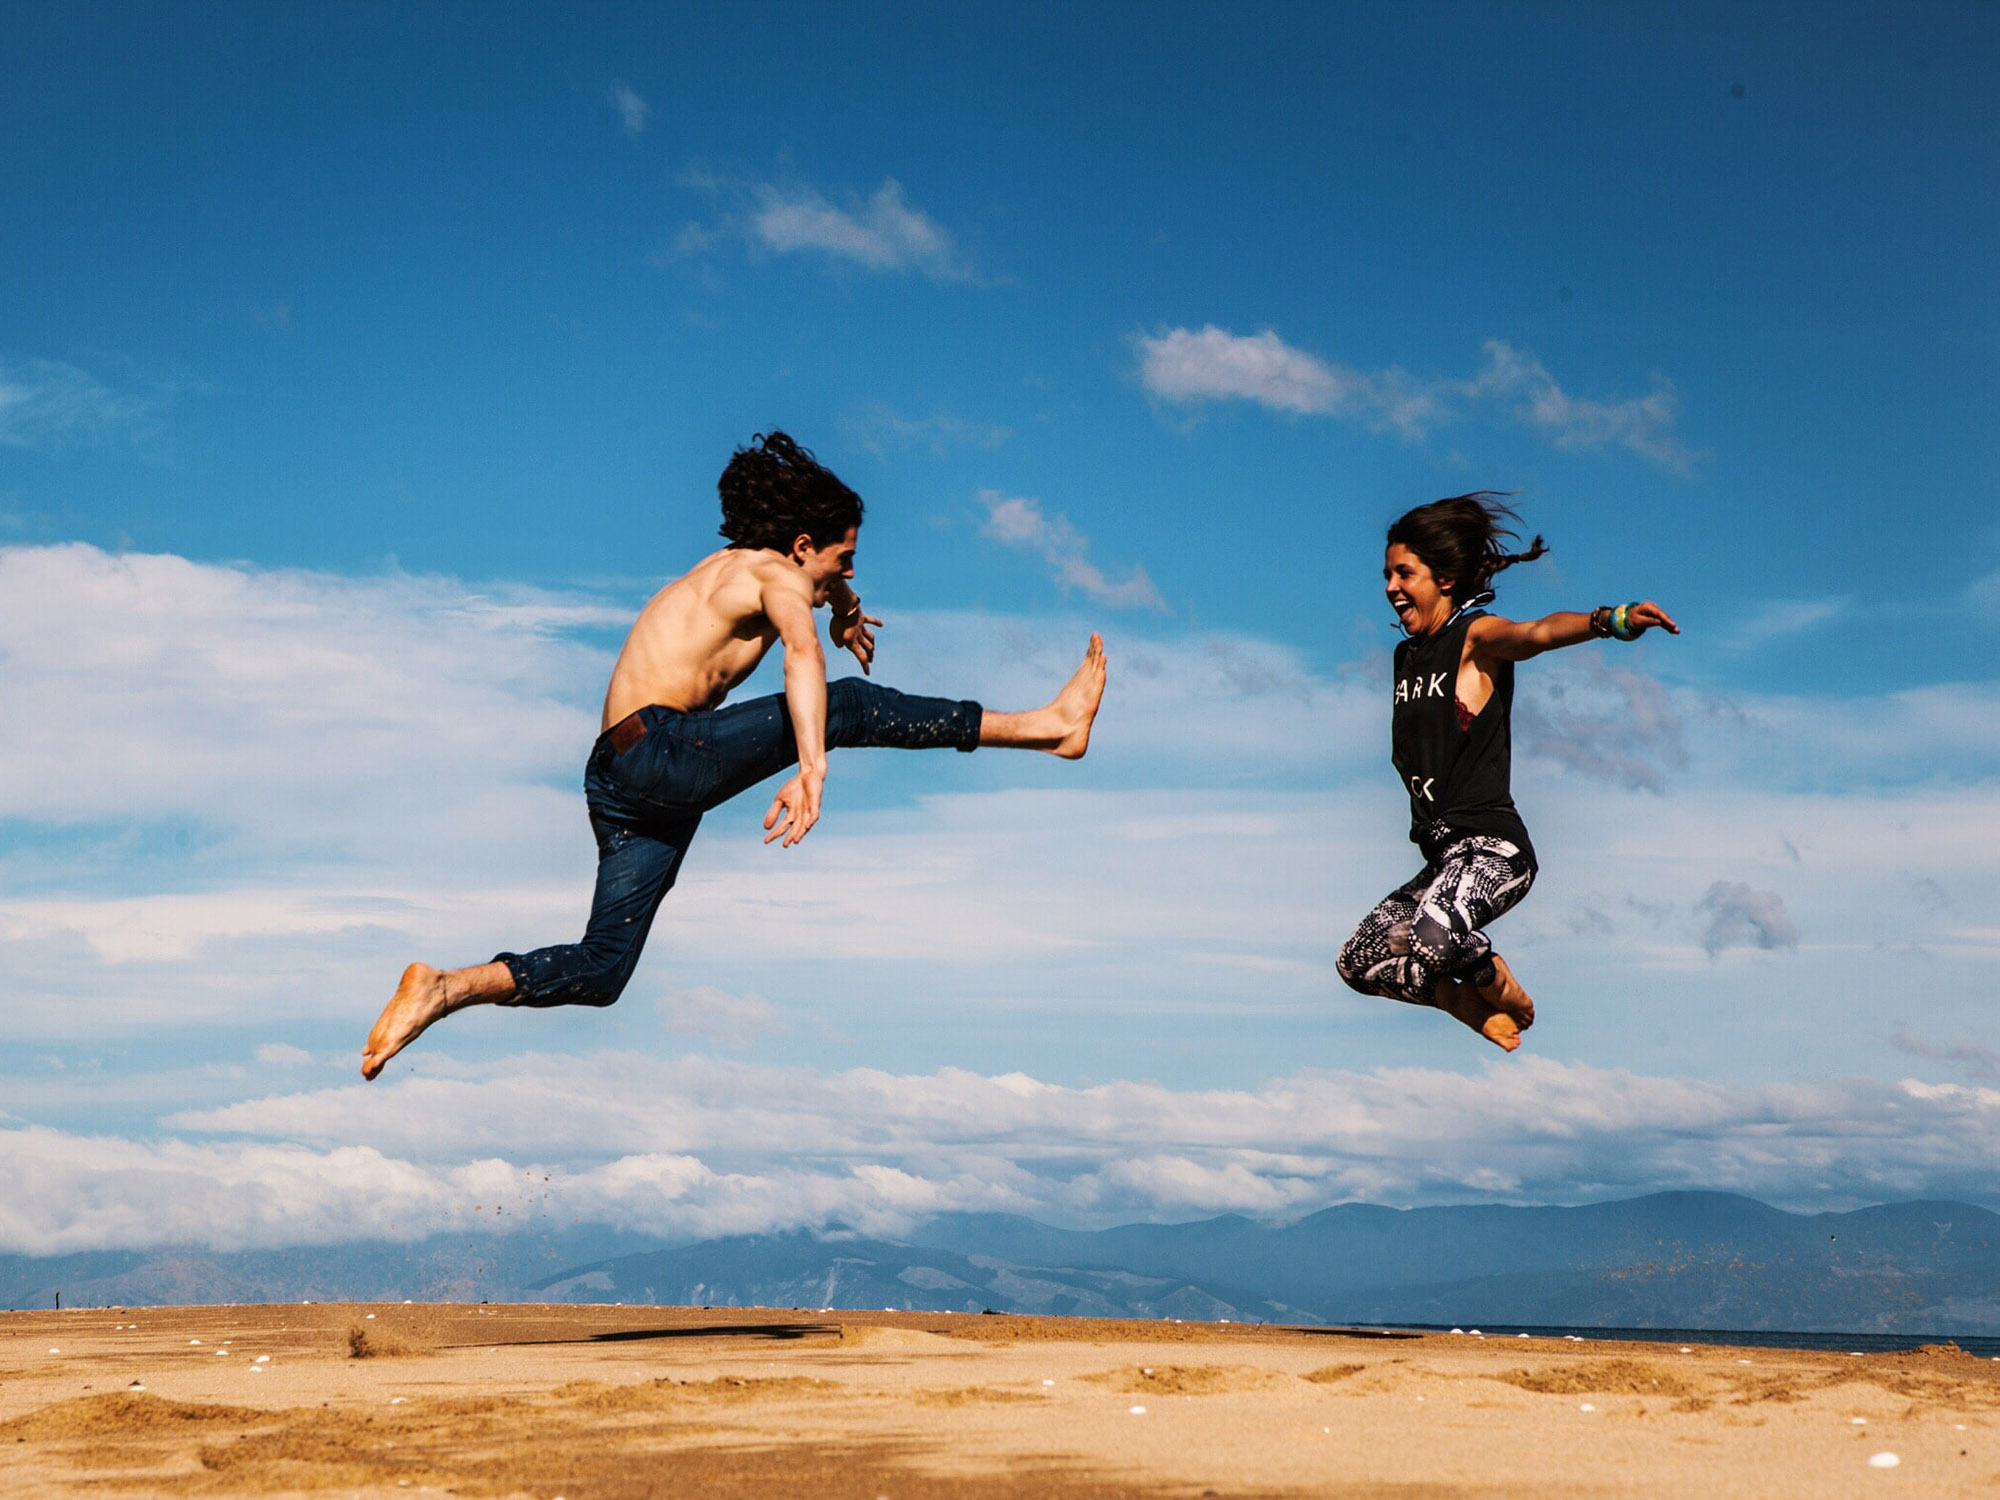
646	803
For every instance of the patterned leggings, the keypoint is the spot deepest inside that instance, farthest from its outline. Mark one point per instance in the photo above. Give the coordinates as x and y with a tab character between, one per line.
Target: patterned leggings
1428	929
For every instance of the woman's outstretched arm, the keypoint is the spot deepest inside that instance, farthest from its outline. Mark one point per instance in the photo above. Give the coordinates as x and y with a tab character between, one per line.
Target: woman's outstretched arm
1517	640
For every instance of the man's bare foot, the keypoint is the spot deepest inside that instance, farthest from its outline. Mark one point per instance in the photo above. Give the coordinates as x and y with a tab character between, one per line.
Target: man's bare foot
1076	705
418	1001
1505	995
1463	1003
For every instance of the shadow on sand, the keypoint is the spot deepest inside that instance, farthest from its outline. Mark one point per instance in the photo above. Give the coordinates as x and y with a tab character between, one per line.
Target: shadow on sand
772	1331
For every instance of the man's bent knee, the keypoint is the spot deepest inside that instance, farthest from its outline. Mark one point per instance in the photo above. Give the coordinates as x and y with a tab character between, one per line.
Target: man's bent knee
848	710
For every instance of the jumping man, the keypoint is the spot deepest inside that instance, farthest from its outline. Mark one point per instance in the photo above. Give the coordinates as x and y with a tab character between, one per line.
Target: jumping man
1454	695
670	751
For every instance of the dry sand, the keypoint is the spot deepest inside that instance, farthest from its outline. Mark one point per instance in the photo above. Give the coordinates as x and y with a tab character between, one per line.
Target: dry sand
592	1403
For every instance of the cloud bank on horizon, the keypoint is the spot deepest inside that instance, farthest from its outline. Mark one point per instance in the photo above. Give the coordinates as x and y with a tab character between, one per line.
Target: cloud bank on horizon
190	932
697	1147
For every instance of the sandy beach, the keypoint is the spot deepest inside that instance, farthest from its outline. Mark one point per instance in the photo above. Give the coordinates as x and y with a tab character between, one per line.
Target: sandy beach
594	1403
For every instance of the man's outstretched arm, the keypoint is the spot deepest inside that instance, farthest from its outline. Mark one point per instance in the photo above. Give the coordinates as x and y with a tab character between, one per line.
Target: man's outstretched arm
788	606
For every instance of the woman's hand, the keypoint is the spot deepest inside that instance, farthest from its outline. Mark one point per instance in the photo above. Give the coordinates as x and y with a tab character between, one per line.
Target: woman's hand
1647	614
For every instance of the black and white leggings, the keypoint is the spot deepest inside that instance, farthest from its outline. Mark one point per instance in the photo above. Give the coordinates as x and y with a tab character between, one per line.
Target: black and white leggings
1429	928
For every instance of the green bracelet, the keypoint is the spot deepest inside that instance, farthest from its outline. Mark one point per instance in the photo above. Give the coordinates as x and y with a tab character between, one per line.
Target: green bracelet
1622	626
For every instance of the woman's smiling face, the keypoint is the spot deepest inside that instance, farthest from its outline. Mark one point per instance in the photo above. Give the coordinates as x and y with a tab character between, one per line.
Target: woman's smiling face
1419	600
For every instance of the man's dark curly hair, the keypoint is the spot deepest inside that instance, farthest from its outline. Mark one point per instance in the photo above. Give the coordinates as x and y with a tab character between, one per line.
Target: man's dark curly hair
774	492
1458	539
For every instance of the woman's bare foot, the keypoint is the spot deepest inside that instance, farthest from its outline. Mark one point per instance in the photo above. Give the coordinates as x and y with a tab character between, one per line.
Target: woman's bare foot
1463	1003
1076	705
1505	995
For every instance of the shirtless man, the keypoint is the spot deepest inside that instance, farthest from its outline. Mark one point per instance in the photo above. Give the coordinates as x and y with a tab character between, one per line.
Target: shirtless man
670	751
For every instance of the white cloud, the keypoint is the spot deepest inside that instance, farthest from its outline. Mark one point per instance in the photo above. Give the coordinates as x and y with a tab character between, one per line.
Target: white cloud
1017	522
422	802
638	1142
421	799
323	763
1778	618
883	232
1983	594
1187	367
1168	908
1643	424
1945	731
632	110
45	403
1740	917
1979	1063
128	1193
879	428
282	1055
143	686
1602	720
733	1020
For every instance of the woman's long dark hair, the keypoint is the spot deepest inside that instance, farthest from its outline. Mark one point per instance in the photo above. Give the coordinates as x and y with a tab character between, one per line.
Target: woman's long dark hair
1459	540
774	492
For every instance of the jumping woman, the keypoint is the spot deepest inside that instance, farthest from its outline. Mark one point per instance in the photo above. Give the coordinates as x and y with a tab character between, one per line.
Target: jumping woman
1454	696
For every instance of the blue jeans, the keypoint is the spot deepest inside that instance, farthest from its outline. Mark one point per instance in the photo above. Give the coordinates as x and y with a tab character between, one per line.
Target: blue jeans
646	803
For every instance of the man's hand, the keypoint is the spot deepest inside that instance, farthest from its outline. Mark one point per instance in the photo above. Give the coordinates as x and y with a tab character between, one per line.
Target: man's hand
796	808
849	630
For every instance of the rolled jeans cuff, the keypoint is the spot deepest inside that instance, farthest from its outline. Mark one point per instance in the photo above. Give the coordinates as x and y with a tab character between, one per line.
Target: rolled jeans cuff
965	722
515	967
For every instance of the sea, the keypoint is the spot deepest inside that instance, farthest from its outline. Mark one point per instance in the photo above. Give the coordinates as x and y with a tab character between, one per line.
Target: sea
1986	1346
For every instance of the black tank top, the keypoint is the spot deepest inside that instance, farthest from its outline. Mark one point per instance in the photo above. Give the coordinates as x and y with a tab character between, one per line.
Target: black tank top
1457	778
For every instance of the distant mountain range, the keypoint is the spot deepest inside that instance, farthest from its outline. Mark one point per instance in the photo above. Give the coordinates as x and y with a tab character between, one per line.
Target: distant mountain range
443	1268
1673	1260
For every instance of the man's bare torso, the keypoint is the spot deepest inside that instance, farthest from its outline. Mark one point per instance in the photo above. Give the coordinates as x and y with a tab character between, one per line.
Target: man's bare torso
699	636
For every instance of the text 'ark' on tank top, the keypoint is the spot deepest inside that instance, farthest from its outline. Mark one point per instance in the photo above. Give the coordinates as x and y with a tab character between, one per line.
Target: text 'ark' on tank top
1458	778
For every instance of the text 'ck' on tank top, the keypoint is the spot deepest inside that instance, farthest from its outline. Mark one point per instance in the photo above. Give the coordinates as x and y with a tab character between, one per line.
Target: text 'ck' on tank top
1458	777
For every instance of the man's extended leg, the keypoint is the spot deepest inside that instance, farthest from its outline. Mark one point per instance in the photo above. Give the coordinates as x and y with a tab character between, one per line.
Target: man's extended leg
753	740
634	873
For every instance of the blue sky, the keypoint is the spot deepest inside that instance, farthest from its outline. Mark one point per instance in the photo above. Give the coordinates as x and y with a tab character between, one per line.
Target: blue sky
367	366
